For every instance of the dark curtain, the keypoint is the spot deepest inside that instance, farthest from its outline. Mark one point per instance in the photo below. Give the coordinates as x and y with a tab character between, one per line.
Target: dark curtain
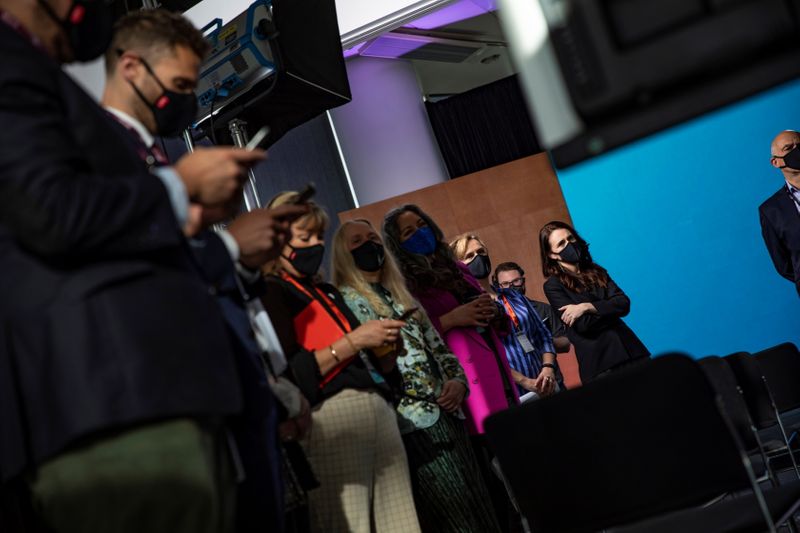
484	127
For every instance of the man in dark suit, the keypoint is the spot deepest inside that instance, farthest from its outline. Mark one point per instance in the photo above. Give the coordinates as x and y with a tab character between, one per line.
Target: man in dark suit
780	213
115	365
156	52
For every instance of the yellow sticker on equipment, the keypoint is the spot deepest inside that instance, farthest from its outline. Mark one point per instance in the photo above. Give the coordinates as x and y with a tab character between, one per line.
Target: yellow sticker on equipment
227	34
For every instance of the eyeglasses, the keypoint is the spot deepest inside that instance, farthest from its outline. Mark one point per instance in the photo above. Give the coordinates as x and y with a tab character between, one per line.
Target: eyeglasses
517	282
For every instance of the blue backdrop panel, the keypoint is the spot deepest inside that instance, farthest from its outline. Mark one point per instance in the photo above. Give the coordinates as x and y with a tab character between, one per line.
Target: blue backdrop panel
674	218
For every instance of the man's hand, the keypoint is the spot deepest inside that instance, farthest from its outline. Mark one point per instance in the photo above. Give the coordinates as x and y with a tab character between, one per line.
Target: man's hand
545	383
194	221
296	428
213	176
262	233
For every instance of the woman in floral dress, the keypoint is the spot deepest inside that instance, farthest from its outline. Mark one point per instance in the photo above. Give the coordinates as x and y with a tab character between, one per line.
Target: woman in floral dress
449	492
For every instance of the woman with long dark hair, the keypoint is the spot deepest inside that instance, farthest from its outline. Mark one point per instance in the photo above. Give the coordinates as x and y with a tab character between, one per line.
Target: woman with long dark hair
466	318
591	303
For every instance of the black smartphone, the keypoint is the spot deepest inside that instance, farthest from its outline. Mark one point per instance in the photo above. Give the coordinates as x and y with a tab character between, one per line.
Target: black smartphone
305	195
407	313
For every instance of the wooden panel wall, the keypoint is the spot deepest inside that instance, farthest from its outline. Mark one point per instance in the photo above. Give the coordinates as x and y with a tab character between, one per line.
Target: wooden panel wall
505	206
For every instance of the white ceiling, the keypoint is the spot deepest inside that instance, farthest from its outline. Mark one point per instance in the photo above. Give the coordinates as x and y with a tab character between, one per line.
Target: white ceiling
490	63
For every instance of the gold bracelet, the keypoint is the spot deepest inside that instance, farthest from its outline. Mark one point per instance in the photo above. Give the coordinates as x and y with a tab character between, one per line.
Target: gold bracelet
353	346
333	353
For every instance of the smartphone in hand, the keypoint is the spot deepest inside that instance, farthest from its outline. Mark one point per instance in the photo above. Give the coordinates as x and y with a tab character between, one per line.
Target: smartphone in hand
305	195
407	313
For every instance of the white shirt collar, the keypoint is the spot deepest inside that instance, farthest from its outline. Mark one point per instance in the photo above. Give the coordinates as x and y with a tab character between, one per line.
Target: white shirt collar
138	127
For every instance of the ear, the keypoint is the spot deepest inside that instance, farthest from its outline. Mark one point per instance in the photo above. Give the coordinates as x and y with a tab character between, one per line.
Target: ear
555	256
128	67
774	162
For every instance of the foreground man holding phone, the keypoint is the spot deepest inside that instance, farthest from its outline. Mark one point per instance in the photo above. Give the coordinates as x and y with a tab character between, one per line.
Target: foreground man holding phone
115	366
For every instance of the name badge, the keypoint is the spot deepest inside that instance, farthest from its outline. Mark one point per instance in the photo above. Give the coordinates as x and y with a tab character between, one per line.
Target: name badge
525	343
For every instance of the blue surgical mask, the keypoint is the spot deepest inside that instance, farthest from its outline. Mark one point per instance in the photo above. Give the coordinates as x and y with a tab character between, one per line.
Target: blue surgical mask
422	242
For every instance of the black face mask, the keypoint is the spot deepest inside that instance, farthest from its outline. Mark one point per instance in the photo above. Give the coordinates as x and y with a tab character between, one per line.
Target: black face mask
306	260
520	289
480	266
573	253
172	111
792	158
369	257
89	27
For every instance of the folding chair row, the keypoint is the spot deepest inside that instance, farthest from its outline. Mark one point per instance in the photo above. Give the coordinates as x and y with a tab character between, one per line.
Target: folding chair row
761	404
640	449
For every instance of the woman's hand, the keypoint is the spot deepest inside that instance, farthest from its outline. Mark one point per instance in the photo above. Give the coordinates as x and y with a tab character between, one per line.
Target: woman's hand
387	355
476	313
572	312
376	333
545	383
452	395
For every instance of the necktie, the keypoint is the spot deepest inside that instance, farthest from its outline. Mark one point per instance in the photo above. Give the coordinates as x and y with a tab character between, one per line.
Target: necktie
158	154
152	155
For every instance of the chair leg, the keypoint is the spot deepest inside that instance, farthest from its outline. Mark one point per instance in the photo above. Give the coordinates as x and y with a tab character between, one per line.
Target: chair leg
748	466
773	479
783	429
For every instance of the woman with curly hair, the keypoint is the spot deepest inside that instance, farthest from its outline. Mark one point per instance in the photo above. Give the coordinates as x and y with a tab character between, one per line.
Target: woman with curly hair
466	318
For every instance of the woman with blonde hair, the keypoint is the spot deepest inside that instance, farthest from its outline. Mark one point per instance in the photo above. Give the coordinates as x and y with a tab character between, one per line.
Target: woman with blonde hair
449	492
347	371
529	346
470	250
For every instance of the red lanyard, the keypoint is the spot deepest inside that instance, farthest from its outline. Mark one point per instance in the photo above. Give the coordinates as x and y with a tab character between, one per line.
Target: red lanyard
337	315
511	314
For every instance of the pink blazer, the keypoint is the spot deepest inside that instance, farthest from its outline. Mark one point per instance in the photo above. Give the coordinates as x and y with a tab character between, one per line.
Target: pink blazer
486	394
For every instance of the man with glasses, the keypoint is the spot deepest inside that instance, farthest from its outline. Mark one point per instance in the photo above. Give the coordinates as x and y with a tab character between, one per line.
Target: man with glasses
538	334
780	213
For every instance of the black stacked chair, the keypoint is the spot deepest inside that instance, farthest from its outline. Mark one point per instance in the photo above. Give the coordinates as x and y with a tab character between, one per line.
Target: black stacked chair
723	380
781	368
760	402
640	448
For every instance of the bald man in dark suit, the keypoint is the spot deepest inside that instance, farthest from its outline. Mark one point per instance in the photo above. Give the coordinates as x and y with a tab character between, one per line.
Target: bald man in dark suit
780	213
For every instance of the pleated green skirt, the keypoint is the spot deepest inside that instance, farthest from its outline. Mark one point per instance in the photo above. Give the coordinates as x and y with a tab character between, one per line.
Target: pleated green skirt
449	492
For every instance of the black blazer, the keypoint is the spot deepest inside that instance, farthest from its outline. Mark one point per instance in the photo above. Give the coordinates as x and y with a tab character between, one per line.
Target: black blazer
602	341
105	320
780	227
259	495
